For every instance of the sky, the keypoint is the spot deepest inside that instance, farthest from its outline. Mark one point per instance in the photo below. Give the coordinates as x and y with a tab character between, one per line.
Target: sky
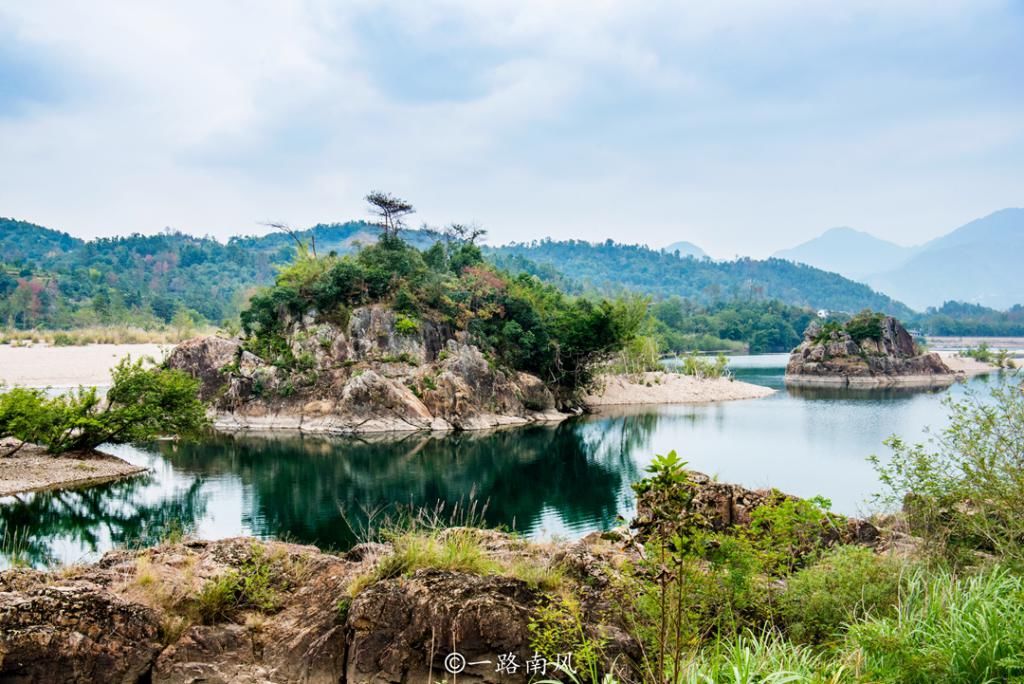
744	126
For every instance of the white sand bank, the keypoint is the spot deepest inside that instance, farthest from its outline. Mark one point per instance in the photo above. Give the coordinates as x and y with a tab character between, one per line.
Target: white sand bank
672	388
965	365
44	366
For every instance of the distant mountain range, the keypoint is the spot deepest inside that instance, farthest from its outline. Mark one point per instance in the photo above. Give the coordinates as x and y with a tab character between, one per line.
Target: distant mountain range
609	267
685	249
979	262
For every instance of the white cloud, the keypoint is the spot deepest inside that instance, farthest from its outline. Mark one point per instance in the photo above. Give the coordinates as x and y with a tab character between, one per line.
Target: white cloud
584	117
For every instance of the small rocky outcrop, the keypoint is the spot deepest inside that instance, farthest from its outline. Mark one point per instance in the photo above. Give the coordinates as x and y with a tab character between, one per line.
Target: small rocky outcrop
720	506
871	350
379	372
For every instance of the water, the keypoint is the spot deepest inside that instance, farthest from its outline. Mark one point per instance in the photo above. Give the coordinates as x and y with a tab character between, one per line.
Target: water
563	480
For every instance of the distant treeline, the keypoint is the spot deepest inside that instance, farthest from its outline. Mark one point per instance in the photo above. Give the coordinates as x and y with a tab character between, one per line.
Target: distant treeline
958	318
49	279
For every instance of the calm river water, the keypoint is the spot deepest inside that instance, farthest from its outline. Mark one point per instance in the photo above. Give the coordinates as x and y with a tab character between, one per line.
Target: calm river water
564	480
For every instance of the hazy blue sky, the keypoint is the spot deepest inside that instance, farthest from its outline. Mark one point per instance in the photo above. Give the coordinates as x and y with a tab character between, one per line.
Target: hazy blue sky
744	126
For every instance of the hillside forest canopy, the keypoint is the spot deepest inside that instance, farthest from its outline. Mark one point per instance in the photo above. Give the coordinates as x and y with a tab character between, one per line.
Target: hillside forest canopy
50	280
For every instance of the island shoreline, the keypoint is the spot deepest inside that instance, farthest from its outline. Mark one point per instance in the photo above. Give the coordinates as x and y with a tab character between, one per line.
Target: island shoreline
33	469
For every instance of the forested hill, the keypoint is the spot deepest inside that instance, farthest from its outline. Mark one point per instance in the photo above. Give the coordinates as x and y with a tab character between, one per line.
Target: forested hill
610	267
50	279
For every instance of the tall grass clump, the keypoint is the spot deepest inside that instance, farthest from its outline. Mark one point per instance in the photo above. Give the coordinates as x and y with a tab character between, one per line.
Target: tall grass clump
702	367
947	629
759	658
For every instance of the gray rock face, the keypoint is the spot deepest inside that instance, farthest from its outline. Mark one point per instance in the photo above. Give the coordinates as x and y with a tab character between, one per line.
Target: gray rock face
402	632
834	357
378	373
74	633
205	358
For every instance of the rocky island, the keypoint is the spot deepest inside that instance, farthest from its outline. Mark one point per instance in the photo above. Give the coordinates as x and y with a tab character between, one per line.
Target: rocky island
367	376
394	339
869	350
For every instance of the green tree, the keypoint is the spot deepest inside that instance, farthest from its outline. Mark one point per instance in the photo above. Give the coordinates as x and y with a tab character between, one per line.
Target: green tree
140	405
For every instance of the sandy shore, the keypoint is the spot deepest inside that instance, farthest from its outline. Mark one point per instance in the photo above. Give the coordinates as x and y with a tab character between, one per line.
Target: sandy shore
672	388
965	365
44	366
32	469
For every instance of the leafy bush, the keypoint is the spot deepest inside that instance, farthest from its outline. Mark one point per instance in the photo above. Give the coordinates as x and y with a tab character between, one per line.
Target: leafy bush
787	532
847	584
963	492
254	586
141	404
405	325
557	628
701	367
867	325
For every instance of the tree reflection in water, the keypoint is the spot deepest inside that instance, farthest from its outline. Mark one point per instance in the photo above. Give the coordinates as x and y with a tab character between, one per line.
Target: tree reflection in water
573	477
96	518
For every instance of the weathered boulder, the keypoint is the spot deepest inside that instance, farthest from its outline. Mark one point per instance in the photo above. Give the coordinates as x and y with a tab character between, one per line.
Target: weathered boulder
402	630
878	352
206	358
74	632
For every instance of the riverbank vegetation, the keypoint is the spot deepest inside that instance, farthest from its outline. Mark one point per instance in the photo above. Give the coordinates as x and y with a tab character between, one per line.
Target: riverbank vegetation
142	403
1000	358
771	602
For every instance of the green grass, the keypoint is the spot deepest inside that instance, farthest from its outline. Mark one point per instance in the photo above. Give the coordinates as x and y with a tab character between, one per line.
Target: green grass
948	629
759	659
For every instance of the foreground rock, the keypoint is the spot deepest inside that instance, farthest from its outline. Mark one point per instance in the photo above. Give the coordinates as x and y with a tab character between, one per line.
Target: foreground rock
245	611
720	506
32	468
870	351
368	375
149	616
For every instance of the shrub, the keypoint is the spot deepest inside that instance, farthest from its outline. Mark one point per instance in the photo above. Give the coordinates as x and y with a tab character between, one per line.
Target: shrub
405	325
847	584
557	628
256	585
866	325
701	367
963	492
787	532
62	339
